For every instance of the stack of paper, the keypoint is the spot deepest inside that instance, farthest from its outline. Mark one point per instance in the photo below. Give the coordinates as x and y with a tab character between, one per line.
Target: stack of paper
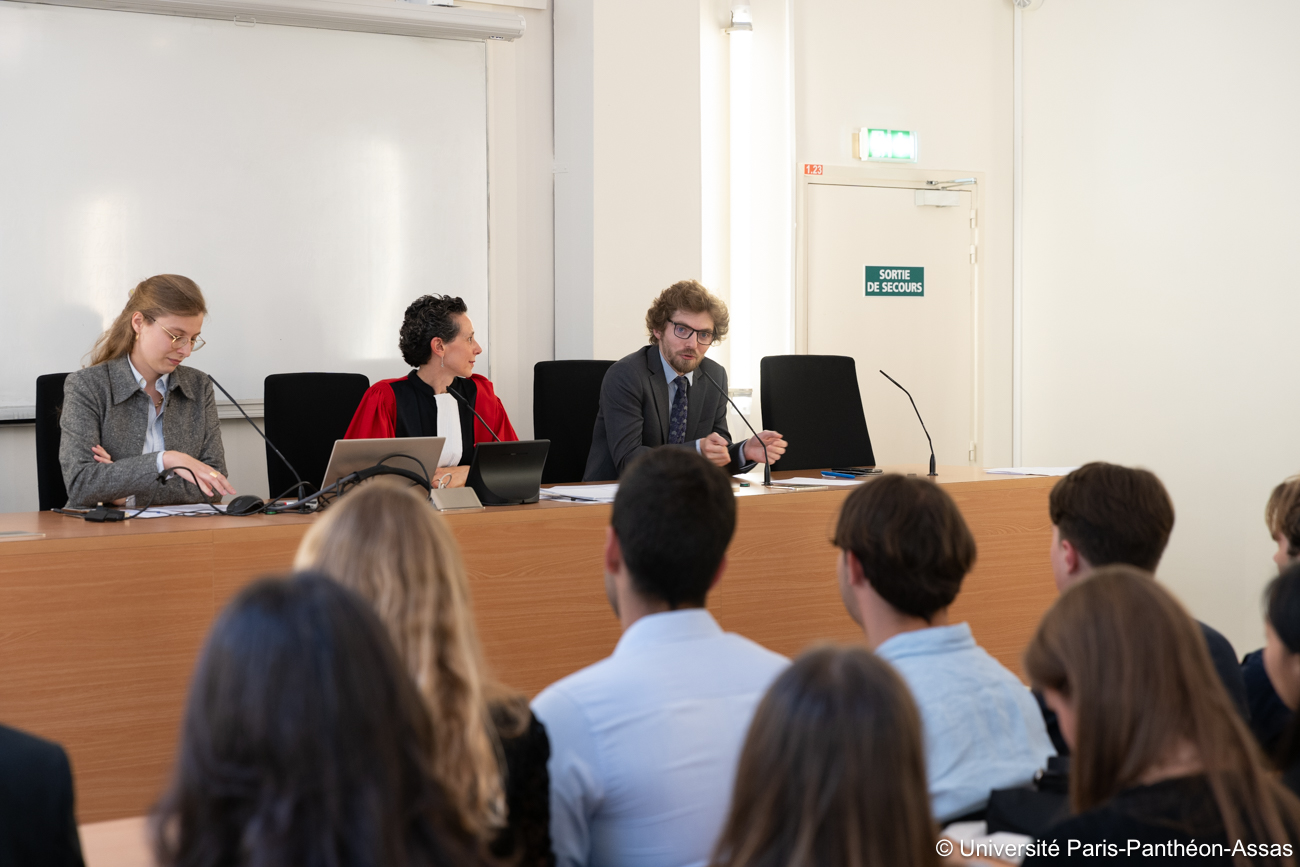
1033	471
581	493
197	510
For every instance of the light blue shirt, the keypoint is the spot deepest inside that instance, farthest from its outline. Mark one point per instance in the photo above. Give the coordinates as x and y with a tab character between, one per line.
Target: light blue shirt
983	730
153	432
644	743
671	374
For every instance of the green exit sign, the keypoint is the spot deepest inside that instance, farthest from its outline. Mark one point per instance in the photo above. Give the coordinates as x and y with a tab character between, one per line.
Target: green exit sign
889	145
893	280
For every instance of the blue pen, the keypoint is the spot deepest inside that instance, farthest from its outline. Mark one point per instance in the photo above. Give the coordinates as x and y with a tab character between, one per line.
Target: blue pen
827	474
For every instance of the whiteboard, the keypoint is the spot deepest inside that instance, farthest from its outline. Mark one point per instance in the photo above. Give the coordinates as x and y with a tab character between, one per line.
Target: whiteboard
312	182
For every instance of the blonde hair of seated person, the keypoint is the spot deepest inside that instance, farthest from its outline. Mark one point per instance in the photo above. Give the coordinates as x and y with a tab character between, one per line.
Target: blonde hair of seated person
384	541
1135	668
832	773
160	295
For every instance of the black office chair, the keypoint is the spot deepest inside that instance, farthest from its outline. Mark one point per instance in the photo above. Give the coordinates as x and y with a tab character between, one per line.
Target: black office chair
566	398
50	491
813	400
304	414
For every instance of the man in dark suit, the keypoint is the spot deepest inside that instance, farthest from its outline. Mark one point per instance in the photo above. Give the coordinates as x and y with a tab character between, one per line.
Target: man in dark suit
657	396
37	822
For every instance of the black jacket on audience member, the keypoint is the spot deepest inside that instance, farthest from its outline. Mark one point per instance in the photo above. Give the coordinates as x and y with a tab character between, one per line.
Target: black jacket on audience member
37	822
1229	668
1180	810
1225	664
526	839
1269	717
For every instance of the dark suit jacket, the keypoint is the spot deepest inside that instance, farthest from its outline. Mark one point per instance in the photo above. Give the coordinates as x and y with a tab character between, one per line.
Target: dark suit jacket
634	413
37	822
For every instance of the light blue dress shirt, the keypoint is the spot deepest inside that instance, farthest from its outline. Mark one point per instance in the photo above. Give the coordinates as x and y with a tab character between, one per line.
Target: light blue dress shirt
983	730
671	374
644	743
153	432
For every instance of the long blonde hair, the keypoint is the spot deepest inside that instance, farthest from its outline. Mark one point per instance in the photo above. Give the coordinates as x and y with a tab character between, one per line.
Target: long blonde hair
832	773
1138	672
388	544
162	295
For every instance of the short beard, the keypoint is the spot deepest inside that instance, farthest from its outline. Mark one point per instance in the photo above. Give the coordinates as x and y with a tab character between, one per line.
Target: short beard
693	363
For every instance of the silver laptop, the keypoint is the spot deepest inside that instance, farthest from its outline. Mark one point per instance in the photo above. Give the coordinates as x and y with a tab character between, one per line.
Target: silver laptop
406	453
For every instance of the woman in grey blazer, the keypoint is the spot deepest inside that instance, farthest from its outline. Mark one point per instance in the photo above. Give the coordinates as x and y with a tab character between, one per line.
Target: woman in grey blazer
136	413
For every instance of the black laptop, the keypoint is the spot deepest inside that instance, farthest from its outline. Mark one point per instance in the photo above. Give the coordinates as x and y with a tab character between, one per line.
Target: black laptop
506	474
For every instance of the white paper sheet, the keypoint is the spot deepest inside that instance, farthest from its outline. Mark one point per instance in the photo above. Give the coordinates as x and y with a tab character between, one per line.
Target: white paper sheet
1033	471
195	510
822	481
581	493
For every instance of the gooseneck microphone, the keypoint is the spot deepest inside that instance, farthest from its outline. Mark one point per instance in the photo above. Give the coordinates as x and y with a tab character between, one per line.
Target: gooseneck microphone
476	415
301	486
918	418
767	467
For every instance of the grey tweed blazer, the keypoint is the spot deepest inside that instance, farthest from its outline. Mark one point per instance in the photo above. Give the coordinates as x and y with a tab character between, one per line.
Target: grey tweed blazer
104	405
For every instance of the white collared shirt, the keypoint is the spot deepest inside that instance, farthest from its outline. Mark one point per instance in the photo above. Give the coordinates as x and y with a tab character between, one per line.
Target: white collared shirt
644	744
449	429
153	432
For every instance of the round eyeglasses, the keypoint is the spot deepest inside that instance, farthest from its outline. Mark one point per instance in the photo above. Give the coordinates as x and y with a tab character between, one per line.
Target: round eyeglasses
178	340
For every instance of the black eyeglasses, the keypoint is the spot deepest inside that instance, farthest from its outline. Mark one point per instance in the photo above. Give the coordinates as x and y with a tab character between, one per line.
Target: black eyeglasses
702	337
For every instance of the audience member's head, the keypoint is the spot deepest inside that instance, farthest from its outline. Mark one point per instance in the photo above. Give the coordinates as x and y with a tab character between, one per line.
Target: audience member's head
1129	675
1104	514
673	519
1282	636
384	541
1282	516
832	772
303	741
904	550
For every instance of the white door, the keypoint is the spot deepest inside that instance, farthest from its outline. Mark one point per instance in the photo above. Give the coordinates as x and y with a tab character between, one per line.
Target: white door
925	341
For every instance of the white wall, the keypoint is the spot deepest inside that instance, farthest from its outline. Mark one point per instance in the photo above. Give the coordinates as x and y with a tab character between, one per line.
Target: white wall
1160	290
521	266
942	69
628	200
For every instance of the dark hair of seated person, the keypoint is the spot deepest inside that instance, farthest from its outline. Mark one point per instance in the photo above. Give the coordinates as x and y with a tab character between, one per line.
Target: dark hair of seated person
911	540
304	742
674	516
427	317
1113	514
1133	666
1283	614
1282	514
832	772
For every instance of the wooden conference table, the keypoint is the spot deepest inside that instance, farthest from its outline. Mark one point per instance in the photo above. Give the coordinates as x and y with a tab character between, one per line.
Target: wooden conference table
100	624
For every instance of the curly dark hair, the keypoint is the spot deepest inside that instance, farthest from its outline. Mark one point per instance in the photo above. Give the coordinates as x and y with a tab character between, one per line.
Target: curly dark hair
429	316
692	297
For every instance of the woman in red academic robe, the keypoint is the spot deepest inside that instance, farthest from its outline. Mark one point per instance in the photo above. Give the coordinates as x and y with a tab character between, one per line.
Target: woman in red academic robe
437	339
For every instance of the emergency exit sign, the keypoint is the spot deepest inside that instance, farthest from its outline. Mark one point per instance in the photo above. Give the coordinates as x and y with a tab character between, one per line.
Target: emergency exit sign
893	280
887	145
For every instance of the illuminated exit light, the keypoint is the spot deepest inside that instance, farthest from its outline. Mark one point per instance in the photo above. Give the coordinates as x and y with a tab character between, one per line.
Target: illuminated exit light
890	145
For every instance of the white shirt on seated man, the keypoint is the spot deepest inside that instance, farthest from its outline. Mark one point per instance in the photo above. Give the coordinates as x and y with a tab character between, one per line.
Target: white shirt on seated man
644	743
